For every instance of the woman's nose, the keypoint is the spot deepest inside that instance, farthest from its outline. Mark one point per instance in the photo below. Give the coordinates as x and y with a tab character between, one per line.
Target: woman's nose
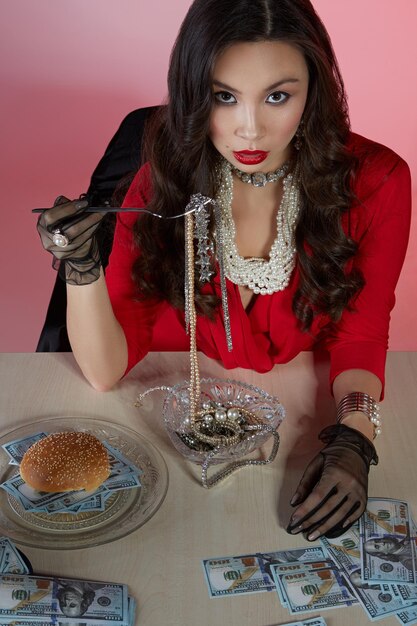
250	125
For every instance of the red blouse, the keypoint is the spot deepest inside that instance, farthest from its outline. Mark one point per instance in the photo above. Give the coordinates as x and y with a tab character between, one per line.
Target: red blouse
269	333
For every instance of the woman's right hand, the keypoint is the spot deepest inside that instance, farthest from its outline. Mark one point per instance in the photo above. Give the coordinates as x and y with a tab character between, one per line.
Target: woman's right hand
68	233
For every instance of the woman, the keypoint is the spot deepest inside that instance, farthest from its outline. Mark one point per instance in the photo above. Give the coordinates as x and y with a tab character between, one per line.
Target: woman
314	242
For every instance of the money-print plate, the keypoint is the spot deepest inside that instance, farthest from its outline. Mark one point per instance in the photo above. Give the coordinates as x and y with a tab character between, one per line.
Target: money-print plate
125	511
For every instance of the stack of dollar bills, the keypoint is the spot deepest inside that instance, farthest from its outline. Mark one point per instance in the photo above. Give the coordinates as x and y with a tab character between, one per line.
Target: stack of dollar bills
44	601
312	621
11	561
123	475
374	564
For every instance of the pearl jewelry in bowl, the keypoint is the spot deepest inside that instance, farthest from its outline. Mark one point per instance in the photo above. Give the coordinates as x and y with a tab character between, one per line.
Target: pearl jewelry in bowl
223	397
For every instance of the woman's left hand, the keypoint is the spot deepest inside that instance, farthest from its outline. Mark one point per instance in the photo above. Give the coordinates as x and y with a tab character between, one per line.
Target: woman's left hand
333	491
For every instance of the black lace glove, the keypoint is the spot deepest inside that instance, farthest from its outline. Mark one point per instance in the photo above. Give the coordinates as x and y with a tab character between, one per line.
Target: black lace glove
333	491
67	232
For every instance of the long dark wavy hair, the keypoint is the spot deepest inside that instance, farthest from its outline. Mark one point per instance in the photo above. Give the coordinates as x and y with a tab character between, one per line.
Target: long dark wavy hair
183	159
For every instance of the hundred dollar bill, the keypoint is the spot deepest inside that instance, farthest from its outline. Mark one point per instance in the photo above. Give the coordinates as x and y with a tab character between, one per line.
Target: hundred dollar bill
121	481
267	559
377	599
79	497
2	553
311	589
28	497
38	598
65	500
408	616
11	562
313	621
32	500
131	610
17	448
258	565
409	591
54	621
95	503
119	464
235	575
386	545
292	568
345	550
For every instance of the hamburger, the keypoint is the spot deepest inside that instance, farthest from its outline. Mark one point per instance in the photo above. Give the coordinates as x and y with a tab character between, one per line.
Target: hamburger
66	461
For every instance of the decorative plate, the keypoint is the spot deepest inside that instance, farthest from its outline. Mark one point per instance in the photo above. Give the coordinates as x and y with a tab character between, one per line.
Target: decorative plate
125	511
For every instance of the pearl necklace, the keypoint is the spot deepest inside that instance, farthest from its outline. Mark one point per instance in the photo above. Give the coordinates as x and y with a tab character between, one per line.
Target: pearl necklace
259	275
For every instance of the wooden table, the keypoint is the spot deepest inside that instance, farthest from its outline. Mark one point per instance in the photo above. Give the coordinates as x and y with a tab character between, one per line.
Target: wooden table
247	513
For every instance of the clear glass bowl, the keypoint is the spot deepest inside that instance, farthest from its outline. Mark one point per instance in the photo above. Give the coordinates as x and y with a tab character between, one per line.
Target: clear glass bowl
228	393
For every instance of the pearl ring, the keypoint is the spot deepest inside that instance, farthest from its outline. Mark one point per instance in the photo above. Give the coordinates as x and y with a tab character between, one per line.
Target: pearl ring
59	239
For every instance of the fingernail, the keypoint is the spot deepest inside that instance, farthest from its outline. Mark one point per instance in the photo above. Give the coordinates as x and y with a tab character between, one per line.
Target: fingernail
294	499
81	204
292	527
313	536
346	523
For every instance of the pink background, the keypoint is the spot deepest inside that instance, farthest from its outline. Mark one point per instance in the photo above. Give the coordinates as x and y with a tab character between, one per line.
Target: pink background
71	70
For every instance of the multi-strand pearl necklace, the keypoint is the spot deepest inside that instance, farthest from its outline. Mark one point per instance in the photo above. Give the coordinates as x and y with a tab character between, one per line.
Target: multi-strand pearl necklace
260	275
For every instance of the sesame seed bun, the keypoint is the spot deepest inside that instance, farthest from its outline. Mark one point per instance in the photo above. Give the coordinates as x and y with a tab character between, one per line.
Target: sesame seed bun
66	461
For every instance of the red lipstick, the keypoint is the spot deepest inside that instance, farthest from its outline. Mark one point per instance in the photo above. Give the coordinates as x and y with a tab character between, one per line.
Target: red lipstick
250	157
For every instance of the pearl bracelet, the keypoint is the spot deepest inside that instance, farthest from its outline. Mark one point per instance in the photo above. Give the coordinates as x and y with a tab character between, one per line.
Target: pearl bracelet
358	401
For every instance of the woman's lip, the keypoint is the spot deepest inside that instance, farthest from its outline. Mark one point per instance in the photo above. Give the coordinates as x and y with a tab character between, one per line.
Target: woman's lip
250	157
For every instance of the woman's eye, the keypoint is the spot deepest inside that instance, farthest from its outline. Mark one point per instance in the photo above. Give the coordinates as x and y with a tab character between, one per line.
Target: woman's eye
278	97
224	97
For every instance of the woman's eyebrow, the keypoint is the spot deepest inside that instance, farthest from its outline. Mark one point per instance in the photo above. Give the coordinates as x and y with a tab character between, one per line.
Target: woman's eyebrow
218	83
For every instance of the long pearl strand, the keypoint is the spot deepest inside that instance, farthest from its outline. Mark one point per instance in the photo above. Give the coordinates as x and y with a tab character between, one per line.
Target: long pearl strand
196	416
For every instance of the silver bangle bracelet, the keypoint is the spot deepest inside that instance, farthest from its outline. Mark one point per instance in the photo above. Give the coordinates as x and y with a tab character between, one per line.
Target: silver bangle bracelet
358	401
